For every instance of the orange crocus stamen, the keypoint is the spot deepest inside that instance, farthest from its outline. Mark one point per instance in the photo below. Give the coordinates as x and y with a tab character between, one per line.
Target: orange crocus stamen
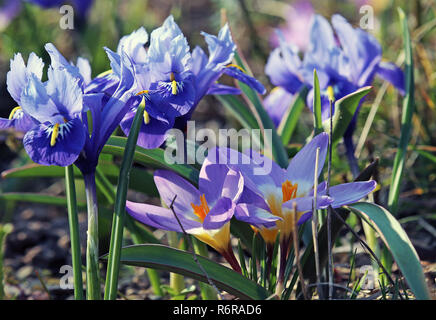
201	210
289	190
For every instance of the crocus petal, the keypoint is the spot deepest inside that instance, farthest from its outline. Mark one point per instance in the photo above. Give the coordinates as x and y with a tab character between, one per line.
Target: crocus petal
301	169
277	103
171	186
68	144
158	217
243	77
390	72
348	193
18	76
255	215
219	215
306	203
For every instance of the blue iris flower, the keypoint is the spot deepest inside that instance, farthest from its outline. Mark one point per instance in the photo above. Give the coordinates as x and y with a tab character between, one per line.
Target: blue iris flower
57	128
344	57
170	79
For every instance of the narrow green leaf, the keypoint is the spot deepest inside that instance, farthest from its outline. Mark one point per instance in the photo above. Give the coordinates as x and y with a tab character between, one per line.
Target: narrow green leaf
113	267
396	239
317	119
177	261
406	119
278	151
291	118
151	158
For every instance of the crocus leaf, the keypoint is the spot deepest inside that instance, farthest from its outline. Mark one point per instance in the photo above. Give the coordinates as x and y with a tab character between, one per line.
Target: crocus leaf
277	149
396	239
345	108
290	119
182	262
154	158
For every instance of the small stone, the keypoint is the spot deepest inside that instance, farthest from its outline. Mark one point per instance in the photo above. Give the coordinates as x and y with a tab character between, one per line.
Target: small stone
24	272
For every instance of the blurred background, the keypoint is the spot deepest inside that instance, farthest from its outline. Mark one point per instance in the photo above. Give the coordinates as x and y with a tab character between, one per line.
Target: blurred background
39	240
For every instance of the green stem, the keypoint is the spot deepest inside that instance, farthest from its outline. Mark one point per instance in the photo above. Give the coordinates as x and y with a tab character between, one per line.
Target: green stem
113	267
177	281
4	230
73	222
92	270
207	292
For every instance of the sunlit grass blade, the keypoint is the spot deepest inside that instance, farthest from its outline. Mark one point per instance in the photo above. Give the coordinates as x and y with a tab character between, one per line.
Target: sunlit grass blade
73	222
406	119
177	261
399	245
290	119
278	151
317	119
5	229
113	267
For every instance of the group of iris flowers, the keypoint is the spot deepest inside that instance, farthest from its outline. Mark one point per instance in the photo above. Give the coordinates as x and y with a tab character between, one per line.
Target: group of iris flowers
69	118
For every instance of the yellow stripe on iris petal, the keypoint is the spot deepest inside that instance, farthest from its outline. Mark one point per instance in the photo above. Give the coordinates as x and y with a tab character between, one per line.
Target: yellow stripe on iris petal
54	135
14	110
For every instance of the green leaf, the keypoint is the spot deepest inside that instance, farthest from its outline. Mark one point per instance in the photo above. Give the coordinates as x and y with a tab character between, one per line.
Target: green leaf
396	239
278	151
117	232
317	124
182	262
140	179
406	119
291	118
239	110
345	108
152	158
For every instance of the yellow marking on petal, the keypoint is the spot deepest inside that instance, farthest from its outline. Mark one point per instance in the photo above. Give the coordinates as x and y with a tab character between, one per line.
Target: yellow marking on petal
217	239
14	110
235	66
201	210
54	134
142	92
174	87
275	89
331	93
146	117
105	73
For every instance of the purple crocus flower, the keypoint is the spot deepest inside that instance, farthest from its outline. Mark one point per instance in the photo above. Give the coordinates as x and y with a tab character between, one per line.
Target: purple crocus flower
204	212
277	191
16	81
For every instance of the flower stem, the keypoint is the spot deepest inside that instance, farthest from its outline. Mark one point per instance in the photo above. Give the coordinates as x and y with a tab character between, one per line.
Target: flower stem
113	267
177	281
92	270
73	222
231	259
